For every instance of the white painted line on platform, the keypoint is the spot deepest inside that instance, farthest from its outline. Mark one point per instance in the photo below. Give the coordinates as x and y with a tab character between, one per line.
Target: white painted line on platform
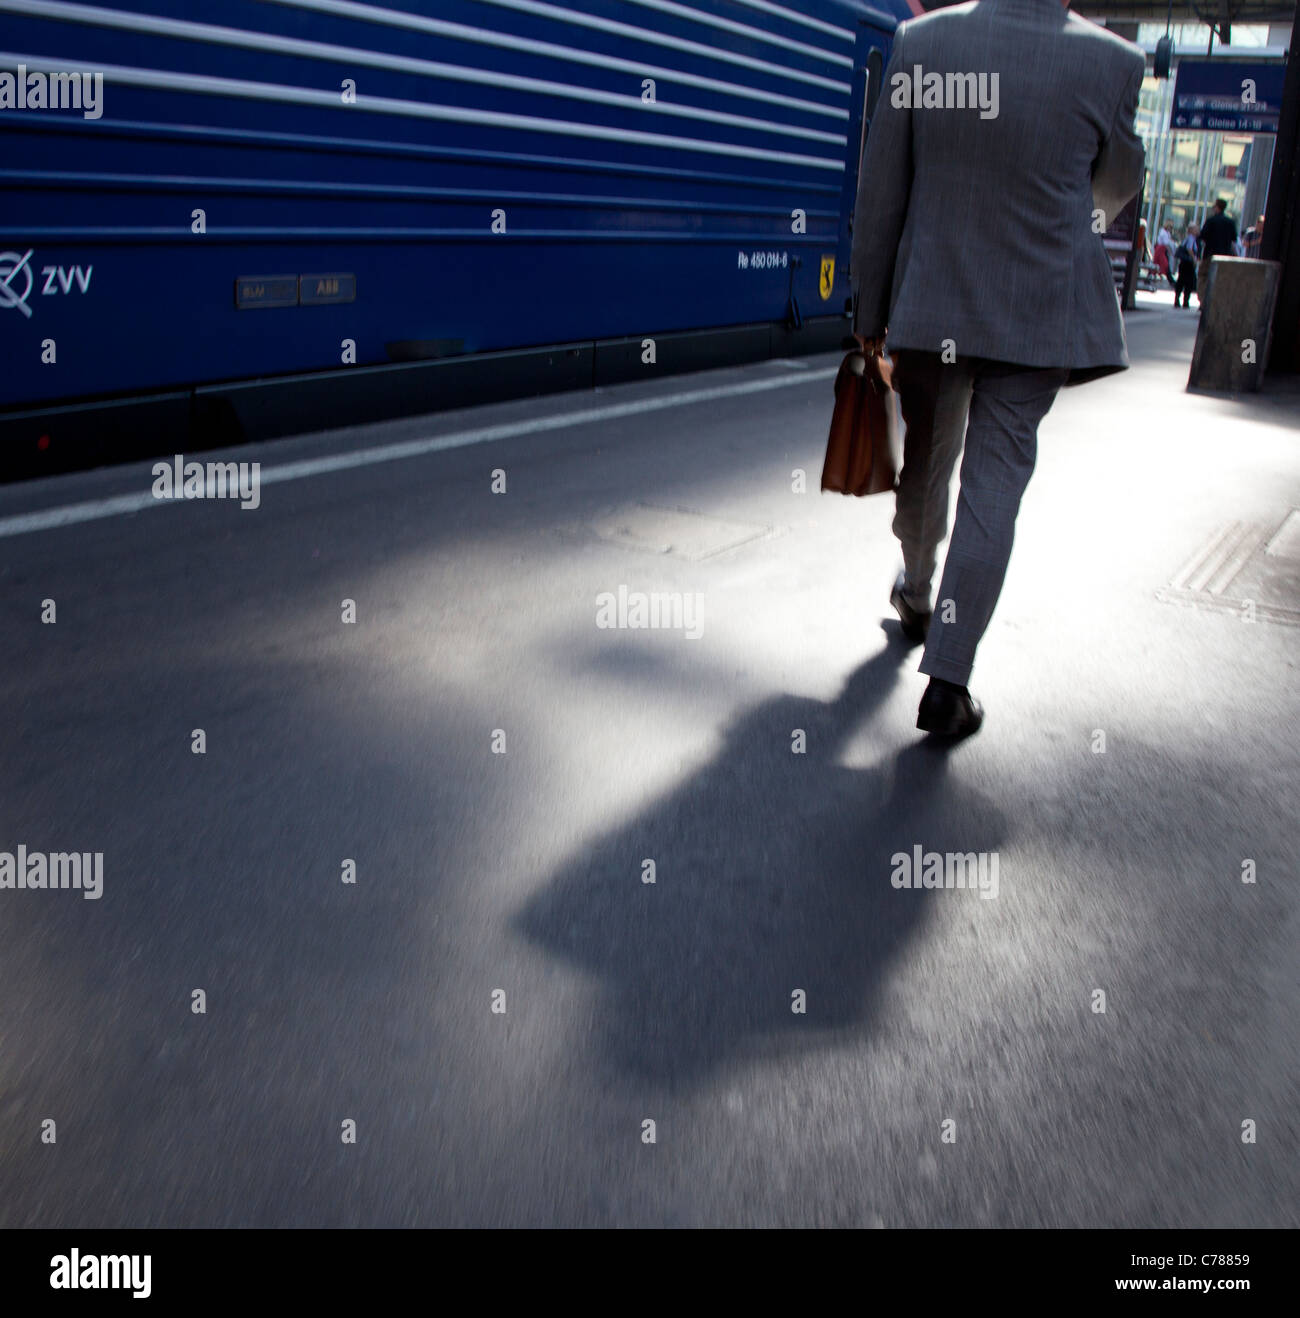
94	509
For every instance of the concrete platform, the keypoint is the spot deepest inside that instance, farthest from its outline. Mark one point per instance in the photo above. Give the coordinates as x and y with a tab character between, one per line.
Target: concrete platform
1140	748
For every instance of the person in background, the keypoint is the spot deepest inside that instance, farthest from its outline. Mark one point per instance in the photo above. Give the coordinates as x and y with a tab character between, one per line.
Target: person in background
1165	249
1217	238
1185	259
1161	259
1255	238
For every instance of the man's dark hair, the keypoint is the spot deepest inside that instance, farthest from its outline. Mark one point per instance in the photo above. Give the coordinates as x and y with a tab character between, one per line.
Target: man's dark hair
1220	205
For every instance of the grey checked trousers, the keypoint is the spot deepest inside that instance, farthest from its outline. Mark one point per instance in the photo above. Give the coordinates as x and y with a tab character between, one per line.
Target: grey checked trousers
996	407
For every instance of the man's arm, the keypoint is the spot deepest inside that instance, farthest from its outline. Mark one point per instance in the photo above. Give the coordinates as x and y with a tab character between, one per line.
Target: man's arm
1117	171
884	186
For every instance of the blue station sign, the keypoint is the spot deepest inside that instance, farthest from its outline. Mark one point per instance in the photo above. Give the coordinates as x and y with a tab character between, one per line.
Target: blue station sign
1227	96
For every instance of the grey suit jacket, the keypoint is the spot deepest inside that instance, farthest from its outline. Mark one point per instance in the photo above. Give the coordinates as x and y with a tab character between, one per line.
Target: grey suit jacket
976	224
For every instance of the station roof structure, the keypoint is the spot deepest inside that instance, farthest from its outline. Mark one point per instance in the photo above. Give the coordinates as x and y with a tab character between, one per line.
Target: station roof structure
1206	11
1216	12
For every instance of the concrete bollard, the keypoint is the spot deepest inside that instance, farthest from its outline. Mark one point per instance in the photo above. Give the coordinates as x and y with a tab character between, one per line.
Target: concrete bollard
1232	339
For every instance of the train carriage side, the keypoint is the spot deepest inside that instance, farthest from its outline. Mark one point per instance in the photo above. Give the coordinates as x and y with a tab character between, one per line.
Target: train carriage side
268	215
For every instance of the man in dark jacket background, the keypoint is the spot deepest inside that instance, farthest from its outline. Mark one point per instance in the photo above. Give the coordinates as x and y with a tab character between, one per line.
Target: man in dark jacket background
1218	236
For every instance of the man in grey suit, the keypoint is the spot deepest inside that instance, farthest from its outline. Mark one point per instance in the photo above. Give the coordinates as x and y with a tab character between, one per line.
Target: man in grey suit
1001	147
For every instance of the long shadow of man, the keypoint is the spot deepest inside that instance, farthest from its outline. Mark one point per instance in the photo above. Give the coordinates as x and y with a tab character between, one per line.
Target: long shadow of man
771	875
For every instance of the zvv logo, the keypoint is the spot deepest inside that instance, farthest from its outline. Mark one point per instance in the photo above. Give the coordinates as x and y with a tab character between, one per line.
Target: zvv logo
65	278
13	266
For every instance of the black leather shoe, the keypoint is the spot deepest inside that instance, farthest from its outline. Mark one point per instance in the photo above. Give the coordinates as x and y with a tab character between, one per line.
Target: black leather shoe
948	710
915	624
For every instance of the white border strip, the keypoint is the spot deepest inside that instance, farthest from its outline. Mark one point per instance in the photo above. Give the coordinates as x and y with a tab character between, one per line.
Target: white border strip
549	49
573	16
790	16
266	91
96	509
743	30
209	34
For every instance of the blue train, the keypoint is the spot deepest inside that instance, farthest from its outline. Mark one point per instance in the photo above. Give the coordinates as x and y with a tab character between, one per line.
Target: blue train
231	219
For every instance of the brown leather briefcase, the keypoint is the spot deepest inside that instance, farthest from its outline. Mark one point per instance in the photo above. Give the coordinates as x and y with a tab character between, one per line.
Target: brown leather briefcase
862	452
